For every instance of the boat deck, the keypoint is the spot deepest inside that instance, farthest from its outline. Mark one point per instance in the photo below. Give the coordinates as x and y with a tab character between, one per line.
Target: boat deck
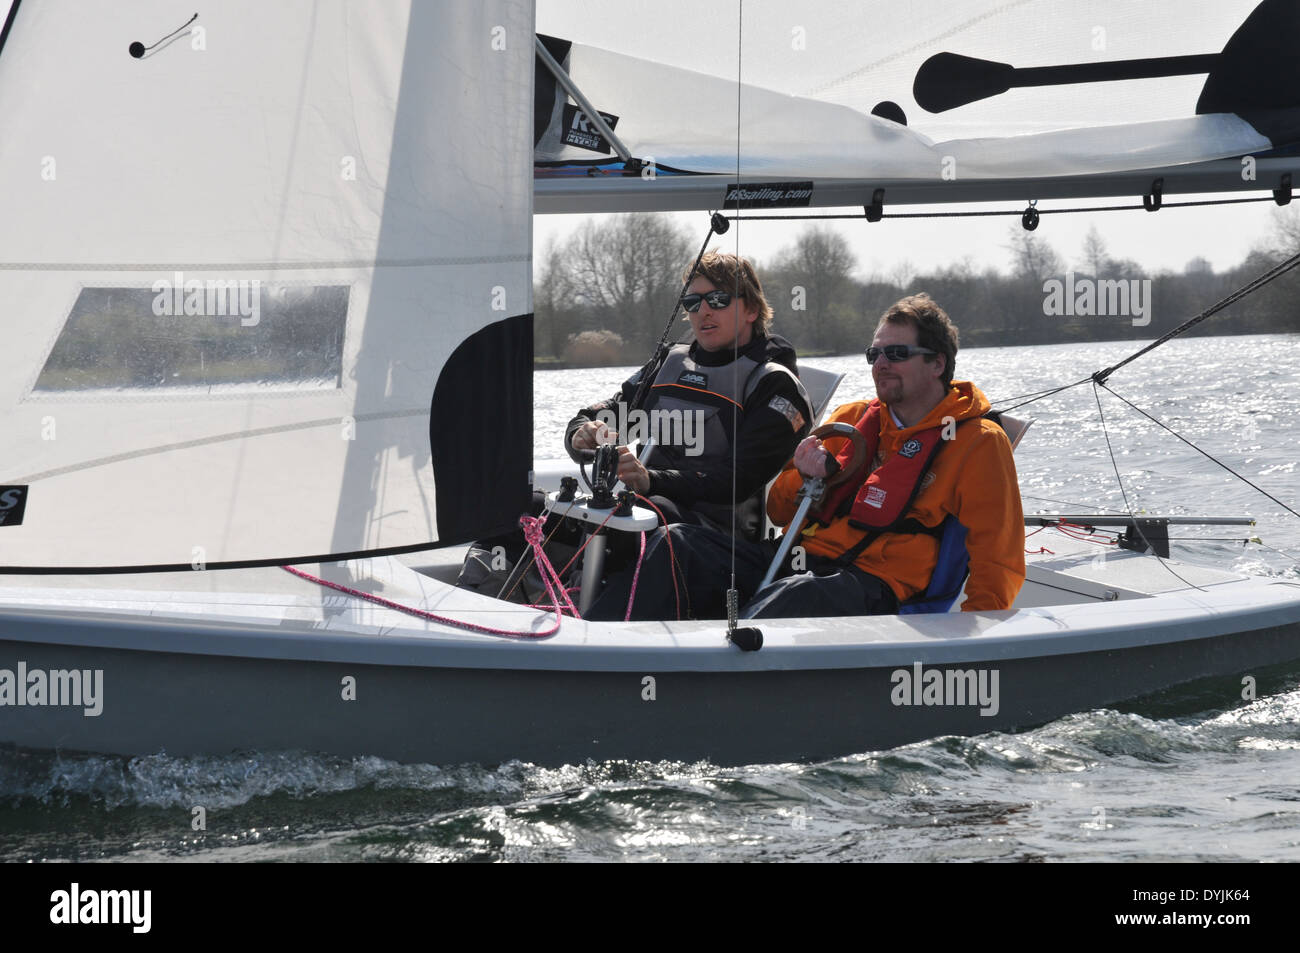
259	659
1066	604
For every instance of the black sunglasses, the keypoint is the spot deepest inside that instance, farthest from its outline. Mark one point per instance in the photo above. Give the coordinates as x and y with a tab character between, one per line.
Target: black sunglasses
897	353
716	299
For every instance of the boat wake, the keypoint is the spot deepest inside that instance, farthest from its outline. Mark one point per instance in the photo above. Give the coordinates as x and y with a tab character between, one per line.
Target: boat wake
1162	774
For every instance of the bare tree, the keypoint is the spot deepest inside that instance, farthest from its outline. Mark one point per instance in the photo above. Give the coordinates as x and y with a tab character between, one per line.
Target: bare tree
1032	258
1095	256
1286	231
811	282
628	268
903	273
555	310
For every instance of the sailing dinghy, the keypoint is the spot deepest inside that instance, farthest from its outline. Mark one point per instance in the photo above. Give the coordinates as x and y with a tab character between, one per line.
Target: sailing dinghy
266	275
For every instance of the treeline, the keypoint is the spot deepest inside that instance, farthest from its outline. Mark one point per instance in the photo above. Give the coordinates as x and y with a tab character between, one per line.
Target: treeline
604	295
115	337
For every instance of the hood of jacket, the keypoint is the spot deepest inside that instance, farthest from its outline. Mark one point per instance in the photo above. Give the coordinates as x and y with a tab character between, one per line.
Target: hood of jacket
964	401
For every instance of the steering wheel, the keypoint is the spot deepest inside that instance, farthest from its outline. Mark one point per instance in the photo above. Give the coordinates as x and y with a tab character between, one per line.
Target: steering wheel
859	449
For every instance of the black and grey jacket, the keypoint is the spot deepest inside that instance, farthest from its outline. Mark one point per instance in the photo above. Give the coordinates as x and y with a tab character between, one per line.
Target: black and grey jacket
751	410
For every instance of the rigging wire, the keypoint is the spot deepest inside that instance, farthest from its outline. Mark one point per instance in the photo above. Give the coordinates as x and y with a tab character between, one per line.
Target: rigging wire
1249	288
656	361
1203	453
1128	506
1100	376
732	596
1092	506
1039	395
1199	450
650	370
1294	557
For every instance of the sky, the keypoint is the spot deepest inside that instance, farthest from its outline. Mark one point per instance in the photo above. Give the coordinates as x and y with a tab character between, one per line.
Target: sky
1158	241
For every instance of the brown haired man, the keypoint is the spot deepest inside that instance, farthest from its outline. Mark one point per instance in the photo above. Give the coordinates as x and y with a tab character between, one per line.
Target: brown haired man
874	543
934	455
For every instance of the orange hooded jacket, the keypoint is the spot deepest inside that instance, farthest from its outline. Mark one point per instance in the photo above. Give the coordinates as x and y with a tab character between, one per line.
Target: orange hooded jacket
973	478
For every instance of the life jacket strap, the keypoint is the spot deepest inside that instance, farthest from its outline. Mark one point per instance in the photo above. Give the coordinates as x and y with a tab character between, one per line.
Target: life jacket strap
911	526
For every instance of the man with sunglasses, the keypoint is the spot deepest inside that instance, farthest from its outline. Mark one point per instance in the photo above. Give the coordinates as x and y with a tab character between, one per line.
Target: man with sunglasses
875	540
741	383
935	465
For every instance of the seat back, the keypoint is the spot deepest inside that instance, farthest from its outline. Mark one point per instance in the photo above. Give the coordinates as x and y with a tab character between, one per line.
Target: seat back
950	572
821	386
1015	428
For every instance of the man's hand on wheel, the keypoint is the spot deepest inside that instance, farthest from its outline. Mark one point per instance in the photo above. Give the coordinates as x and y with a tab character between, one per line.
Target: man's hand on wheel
811	458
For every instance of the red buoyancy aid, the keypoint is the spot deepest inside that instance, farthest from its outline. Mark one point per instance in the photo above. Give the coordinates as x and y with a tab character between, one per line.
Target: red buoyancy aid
881	497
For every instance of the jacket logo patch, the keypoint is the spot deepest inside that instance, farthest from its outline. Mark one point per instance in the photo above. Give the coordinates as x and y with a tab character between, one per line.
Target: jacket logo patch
875	497
787	410
693	379
911	448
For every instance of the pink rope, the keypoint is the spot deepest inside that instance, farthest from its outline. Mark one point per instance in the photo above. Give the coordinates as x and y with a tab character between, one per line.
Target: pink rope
421	613
1081	533
589	538
631	596
533	533
672	559
532	528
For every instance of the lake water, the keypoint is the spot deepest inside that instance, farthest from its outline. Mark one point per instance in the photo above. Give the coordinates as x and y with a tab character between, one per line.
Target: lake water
1175	776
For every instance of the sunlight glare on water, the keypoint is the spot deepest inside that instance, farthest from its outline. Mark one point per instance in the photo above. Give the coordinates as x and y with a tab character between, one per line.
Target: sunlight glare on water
1180	775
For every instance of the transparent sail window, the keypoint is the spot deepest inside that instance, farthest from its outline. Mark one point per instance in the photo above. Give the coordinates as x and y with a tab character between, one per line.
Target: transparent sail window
200	337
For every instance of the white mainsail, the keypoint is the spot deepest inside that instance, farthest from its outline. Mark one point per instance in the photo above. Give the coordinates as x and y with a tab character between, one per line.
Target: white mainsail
770	89
234	269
